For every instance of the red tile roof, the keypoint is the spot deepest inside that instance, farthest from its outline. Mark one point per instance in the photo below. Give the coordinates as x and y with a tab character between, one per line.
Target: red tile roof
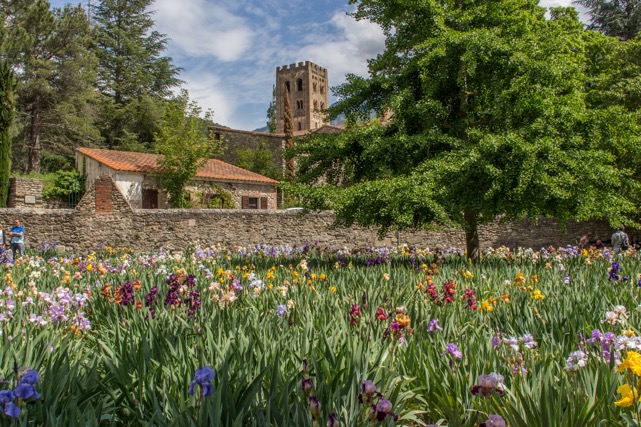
128	161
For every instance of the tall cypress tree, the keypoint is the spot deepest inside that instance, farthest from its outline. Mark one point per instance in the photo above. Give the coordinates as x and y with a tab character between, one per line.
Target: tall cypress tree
6	117
289	135
131	64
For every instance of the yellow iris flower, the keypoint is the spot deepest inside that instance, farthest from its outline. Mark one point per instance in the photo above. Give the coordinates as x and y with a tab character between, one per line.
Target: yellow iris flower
631	362
627	396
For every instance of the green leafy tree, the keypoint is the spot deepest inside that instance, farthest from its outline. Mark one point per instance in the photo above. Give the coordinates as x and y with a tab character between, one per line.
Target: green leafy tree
618	18
615	73
489	120
6	117
56	80
131	67
259	160
185	145
56	74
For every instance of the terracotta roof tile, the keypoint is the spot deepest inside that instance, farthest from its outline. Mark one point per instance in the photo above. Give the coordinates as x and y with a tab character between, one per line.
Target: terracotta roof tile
129	161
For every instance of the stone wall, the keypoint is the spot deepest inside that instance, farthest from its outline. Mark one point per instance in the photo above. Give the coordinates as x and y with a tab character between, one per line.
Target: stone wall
92	223
235	139
25	192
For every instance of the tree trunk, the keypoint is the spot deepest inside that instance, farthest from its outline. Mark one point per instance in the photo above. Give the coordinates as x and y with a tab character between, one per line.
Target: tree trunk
472	236
36	147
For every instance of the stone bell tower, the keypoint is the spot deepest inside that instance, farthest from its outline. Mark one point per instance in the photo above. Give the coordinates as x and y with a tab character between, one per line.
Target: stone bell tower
309	94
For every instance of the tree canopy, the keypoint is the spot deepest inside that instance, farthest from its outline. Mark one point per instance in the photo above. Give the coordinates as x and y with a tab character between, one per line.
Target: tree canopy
133	74
489	119
617	18
185	143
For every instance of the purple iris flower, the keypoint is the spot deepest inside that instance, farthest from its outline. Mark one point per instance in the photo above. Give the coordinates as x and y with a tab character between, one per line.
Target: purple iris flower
307	385
434	326
381	411
453	350
332	420
281	310
26	391
31	377
314	407
203	376
11	410
368	392
6	396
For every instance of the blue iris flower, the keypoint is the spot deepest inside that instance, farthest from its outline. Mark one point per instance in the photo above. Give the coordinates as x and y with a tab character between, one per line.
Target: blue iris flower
11	410
203	376
26	391
31	377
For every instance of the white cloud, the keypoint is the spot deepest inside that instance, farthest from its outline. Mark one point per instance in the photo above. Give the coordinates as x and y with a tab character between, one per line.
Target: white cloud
209	91
566	3
345	47
203	29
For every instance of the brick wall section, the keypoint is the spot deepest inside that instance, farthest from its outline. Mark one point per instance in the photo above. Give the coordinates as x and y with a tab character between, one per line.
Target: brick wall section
25	192
103	189
84	228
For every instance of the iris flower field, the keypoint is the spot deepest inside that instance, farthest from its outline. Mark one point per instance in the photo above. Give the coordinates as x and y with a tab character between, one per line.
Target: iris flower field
306	336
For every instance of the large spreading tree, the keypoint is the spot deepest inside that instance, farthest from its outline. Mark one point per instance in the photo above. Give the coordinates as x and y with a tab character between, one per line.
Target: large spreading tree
133	75
489	120
55	73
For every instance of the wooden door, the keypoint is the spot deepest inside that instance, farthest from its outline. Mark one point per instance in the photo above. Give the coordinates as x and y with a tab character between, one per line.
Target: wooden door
149	198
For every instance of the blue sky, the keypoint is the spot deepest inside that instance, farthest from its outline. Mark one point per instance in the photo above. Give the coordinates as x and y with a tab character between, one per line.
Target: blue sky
229	49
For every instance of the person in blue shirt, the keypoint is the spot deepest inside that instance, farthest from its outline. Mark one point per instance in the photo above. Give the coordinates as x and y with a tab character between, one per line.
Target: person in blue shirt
17	239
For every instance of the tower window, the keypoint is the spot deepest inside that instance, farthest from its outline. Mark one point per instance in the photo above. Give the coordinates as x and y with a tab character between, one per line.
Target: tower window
315	105
299	105
322	90
322	105
300	126
315	86
299	85
287	86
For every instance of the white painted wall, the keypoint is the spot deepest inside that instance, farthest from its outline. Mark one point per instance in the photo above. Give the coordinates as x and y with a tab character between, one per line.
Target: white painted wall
128	183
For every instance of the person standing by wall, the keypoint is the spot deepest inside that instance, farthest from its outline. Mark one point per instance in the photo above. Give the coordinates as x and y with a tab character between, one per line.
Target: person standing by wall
17	239
620	240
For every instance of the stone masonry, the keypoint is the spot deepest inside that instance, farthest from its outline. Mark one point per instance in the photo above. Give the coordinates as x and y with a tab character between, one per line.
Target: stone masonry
308	85
91	224
234	139
25	192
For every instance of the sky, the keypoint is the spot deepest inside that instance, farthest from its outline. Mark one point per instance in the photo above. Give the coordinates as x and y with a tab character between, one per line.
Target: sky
229	49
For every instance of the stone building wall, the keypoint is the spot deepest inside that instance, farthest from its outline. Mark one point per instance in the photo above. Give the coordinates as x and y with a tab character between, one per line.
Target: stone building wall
236	139
309	94
105	217
25	192
239	190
